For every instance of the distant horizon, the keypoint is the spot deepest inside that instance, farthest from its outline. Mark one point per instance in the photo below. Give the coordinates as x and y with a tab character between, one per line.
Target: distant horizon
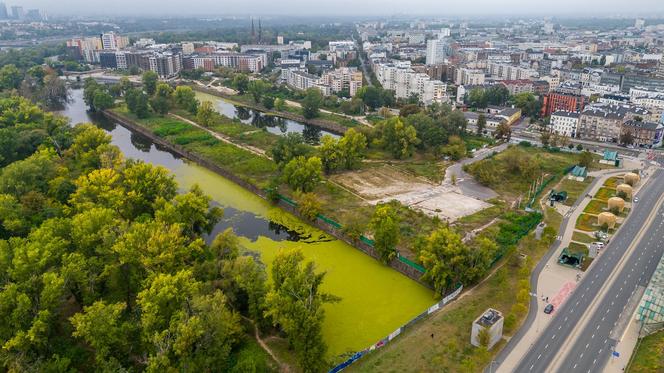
348	8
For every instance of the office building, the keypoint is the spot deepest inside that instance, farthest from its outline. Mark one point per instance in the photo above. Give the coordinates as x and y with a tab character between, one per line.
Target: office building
436	51
3	11
640	24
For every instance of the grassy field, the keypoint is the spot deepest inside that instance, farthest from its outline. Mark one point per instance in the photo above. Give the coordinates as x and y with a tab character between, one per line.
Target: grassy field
595	207
649	357
577	248
512	172
573	188
238	131
441	343
586	223
613	182
582	237
246	165
480	218
604	193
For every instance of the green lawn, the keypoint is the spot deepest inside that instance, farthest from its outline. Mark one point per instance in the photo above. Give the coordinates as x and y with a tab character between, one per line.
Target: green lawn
649	356
582	237
587	223
573	188
577	248
613	182
449	350
512	172
246	165
469	222
595	207
240	132
604	193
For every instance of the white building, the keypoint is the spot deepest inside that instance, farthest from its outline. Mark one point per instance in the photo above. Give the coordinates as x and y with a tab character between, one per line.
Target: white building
435	51
341	44
501	71
405	82
344	78
112	41
565	123
492	321
465	76
188	48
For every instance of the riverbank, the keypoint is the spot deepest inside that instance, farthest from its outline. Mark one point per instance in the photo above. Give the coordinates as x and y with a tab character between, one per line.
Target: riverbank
327	125
257	186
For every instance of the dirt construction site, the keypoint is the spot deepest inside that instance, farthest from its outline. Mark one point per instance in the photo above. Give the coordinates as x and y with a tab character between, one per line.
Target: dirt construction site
384	183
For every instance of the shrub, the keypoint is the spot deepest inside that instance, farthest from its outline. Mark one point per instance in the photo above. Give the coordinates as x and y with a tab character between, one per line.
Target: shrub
309	206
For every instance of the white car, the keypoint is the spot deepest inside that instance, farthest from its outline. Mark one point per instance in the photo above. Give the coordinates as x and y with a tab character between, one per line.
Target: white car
636	199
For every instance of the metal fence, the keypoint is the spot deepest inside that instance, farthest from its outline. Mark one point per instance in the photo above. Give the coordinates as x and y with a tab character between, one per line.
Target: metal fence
434	308
364	239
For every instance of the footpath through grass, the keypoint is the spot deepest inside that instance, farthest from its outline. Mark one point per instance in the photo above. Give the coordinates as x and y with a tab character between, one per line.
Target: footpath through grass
242	163
649	356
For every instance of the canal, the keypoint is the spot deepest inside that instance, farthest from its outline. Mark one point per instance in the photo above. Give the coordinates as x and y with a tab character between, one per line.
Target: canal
258	119
375	298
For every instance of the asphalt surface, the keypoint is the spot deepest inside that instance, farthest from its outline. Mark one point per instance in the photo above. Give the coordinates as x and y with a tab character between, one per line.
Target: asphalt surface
543	352
534	279
593	349
465	182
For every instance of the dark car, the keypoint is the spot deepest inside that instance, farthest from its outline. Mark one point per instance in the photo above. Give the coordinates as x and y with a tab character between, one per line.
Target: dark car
548	309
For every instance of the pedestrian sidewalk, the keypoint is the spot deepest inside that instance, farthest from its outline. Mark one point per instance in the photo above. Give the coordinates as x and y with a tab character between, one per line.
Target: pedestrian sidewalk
554	278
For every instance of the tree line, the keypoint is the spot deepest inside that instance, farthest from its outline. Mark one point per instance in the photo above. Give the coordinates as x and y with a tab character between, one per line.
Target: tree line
103	265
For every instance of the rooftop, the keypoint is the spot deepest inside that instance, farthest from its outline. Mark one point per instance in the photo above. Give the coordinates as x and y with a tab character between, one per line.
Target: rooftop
489	317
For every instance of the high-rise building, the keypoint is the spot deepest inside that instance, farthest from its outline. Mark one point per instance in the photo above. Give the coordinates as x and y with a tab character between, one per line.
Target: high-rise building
110	40
640	23
3	11
436	51
17	12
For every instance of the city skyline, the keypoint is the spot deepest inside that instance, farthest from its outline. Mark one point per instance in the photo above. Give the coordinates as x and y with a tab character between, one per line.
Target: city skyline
429	8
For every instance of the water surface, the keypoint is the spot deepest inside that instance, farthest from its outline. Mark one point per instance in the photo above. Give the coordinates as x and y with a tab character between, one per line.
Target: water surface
375	298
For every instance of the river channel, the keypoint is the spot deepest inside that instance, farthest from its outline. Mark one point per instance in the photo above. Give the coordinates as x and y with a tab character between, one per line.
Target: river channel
375	298
272	124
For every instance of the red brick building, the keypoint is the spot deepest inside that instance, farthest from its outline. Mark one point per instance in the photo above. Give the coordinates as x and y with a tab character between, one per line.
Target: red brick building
560	101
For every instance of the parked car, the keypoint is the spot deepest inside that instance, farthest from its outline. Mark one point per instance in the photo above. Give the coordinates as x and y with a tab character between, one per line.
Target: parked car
636	199
548	309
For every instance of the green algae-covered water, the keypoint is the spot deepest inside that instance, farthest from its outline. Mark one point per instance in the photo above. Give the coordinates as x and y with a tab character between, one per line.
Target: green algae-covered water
375	298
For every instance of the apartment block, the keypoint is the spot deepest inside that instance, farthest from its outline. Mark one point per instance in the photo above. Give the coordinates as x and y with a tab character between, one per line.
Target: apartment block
565	123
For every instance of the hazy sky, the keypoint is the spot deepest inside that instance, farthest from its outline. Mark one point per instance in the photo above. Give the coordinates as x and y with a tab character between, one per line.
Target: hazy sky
345	7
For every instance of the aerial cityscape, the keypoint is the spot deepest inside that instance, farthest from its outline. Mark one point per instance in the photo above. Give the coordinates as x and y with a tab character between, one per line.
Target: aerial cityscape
309	187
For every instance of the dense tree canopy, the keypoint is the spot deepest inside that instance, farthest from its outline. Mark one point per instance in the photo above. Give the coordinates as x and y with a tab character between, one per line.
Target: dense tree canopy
103	265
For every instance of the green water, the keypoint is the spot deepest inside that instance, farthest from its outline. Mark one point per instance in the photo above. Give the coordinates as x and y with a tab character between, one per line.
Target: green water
375	298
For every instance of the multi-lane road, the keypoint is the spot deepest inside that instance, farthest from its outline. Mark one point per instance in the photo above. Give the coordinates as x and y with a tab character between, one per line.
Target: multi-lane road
578	341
